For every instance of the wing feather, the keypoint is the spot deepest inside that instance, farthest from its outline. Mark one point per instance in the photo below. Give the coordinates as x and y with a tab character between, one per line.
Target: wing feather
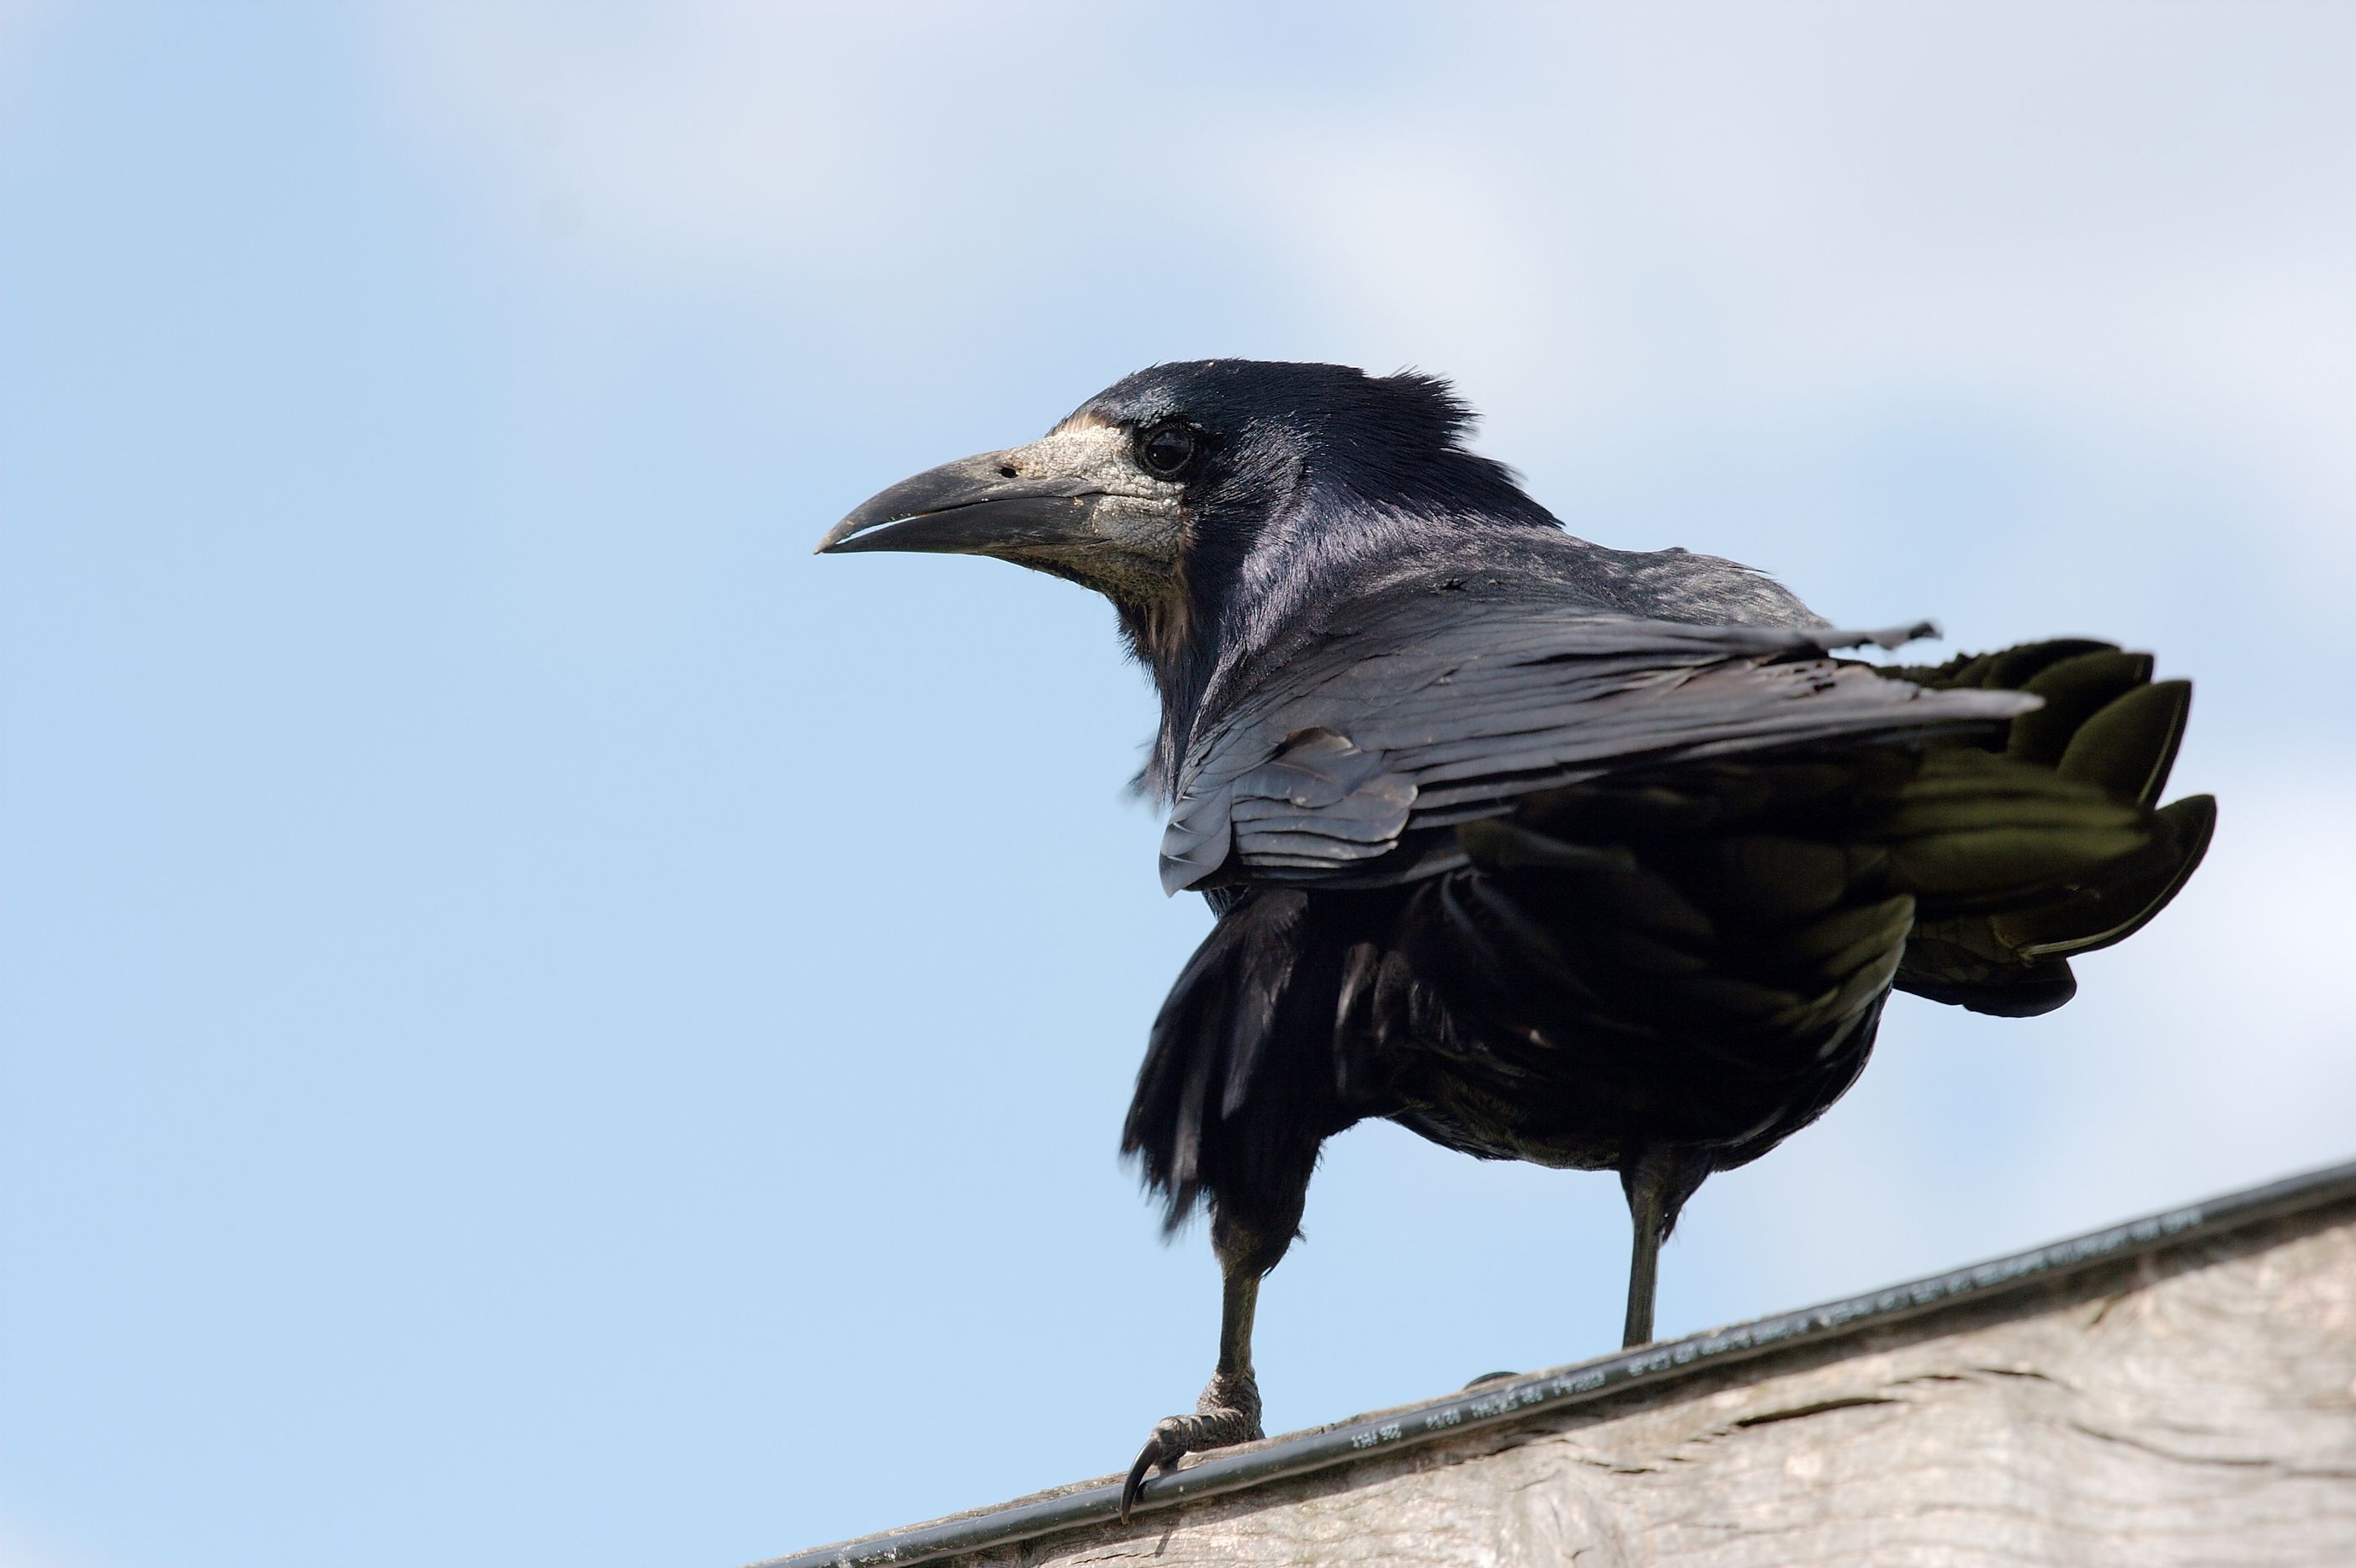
1427	712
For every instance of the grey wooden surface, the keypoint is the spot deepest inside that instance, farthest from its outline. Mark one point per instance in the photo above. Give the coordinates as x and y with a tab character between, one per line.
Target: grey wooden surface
2198	1407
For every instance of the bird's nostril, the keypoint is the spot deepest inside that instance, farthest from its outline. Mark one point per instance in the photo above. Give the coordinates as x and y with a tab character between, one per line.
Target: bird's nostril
1006	470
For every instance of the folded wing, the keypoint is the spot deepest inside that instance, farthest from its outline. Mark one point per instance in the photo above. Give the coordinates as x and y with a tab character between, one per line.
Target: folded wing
1427	712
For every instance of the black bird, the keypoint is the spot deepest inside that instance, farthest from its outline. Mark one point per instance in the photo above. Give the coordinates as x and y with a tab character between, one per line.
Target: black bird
1545	850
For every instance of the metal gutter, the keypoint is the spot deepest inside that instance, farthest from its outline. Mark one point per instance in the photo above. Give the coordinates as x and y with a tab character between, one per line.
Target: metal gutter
1649	1367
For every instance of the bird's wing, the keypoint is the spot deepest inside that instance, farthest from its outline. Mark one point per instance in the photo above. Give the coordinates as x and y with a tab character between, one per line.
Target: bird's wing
1426	710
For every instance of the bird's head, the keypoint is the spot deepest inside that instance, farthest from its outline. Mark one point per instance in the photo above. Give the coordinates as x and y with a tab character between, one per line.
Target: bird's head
1171	491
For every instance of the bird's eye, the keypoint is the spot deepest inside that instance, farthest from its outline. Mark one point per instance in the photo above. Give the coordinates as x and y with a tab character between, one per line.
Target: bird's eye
1167	448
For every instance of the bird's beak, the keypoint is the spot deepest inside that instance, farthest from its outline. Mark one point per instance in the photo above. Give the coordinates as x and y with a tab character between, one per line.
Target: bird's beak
999	503
1075	503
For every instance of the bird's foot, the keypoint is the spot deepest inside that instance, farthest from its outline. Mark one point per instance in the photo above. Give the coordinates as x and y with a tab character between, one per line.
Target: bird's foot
1227	1413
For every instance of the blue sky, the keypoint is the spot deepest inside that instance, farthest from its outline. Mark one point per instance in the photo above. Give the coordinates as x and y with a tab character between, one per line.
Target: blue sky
543	1024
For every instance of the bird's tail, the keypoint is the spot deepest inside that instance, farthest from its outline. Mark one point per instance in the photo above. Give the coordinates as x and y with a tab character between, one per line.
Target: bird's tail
2066	790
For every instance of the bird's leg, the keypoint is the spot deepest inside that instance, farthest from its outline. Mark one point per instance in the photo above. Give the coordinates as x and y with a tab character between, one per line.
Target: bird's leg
1228	1411
1659	1181
1643	1263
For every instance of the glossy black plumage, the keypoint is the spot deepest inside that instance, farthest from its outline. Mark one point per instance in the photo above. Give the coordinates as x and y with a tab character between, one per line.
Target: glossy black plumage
1545	850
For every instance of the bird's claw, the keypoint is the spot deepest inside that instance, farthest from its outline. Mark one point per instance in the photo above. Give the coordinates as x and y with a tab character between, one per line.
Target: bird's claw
1163	1448
1227	1413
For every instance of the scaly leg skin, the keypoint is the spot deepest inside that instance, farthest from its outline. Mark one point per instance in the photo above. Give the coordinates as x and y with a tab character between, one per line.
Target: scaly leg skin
1659	1181
1228	1411
1643	1273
